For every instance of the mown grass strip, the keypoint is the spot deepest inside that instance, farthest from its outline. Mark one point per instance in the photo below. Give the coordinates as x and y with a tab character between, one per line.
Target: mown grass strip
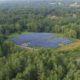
52	38
17	34
70	46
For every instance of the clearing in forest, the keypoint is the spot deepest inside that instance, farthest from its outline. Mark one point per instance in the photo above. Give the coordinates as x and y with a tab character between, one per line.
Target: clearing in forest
43	40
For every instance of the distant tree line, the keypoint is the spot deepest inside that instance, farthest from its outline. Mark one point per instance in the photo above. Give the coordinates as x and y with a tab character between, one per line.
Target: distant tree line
62	21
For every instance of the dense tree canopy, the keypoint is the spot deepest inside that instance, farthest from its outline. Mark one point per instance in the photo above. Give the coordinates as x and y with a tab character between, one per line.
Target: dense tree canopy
42	64
41	20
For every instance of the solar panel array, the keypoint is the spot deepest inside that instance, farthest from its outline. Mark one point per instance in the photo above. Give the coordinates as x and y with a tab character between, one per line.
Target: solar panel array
41	40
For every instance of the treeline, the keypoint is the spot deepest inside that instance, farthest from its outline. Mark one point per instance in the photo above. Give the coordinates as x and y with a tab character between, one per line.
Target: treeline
62	21
43	64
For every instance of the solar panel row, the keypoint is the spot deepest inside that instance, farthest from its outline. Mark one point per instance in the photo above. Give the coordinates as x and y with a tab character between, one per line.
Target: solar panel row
40	40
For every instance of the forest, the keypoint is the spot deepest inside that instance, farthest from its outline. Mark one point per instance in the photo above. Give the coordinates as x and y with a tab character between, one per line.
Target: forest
43	64
64	21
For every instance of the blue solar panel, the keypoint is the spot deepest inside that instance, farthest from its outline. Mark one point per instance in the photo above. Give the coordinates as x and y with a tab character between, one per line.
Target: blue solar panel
40	40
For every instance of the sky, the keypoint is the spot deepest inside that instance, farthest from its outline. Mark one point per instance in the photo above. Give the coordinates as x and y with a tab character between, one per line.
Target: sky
20	0
4	0
10	0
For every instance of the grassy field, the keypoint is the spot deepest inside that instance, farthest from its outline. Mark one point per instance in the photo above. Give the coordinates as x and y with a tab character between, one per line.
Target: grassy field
71	50
69	47
17	34
59	34
26	32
